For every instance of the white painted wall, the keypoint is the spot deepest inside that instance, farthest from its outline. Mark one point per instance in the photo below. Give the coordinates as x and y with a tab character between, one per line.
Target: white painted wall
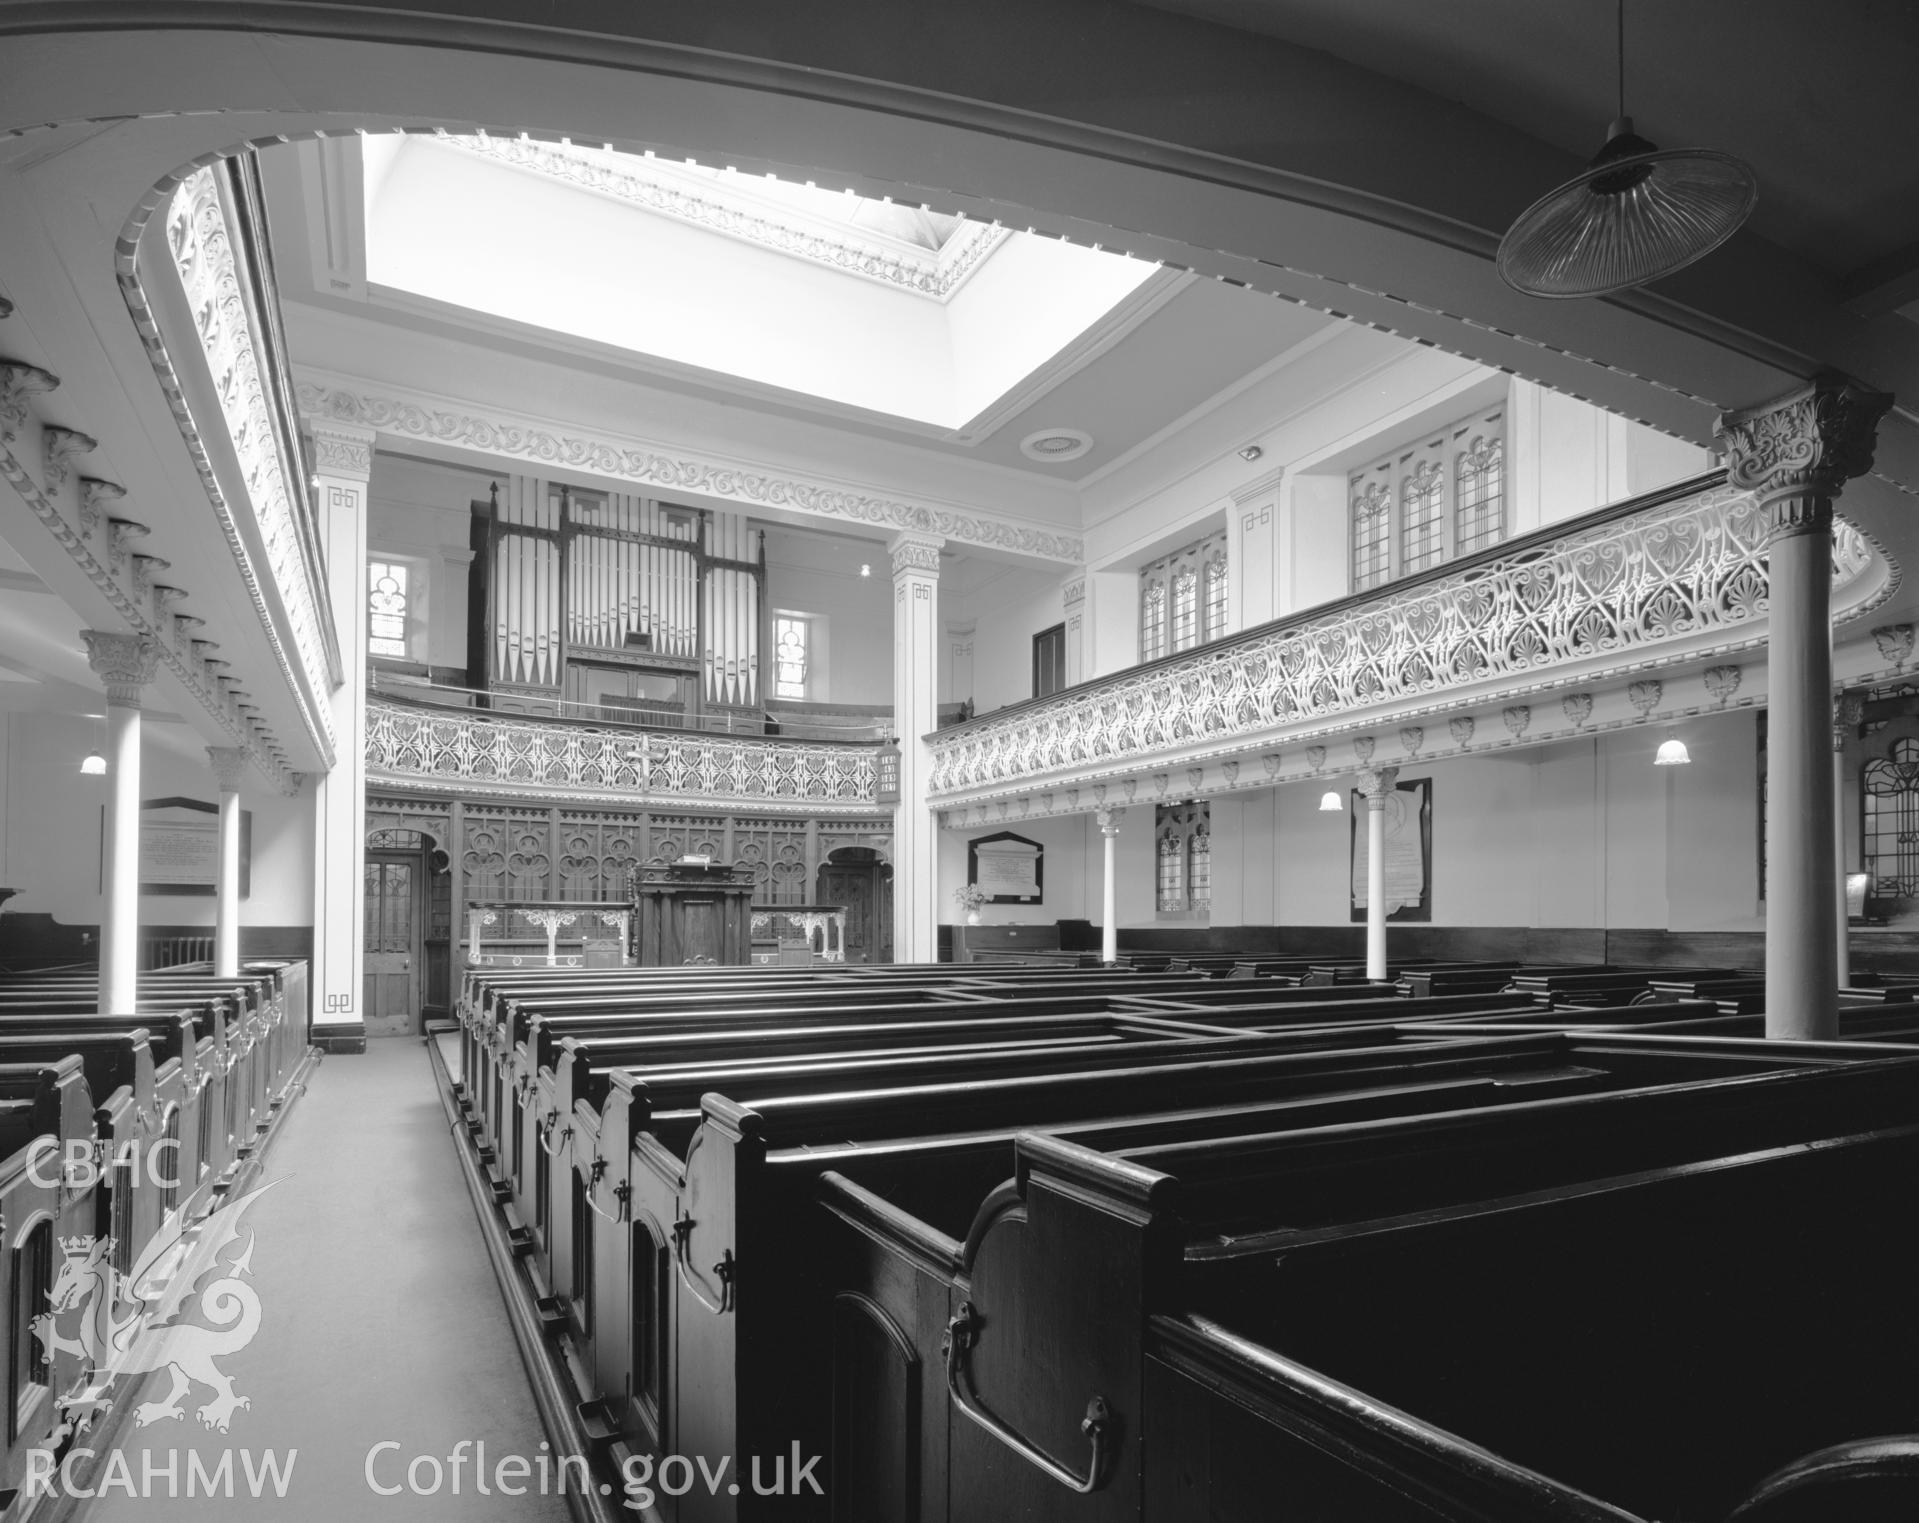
422	512
1582	834
53	824
1071	891
820	576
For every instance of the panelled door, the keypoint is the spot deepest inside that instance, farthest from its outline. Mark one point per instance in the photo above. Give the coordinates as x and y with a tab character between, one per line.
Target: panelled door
867	895
393	906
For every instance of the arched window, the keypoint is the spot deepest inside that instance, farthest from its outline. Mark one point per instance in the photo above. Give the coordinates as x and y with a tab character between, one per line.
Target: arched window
1479	498
386	604
1891	787
1185	611
1215	597
1422	517
1372	530
1172	884
1152	623
1199	873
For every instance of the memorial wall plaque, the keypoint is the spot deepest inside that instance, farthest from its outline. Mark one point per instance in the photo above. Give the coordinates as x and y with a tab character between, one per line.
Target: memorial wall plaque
1409	852
180	847
1009	868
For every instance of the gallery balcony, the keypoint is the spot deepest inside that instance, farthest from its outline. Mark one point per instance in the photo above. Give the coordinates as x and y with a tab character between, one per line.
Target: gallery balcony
1543	637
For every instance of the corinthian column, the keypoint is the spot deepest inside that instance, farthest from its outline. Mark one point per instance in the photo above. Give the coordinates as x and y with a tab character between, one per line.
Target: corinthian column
1376	786
343	462
125	663
1794	456
229	764
1109	894
916	630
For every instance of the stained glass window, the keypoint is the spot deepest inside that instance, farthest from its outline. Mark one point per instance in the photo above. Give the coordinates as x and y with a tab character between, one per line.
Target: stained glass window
789	657
1199	875
1185	611
1892	822
1216	597
1152	624
386	606
1479	511
1422	531
1172	877
1372	530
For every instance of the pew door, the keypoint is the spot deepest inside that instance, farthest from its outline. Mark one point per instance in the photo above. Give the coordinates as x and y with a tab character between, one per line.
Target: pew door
392	968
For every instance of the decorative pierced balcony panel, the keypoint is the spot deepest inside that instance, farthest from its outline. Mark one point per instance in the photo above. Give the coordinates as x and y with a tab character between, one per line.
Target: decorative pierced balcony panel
1676	579
483	754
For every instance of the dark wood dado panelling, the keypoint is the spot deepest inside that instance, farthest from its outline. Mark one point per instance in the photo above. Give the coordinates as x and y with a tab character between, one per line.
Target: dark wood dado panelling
39	941
1893	953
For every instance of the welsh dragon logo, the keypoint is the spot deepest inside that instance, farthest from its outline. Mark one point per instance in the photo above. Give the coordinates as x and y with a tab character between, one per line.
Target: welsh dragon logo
184	1306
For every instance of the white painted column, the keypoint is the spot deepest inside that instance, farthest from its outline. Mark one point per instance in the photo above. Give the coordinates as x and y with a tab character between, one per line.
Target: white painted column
229	764
125	663
916	633
1794	455
1109	891
343	461
1376	786
1072	597
1847	710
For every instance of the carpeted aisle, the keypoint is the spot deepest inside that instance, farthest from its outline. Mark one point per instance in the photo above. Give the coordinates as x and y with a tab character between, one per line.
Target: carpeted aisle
380	1322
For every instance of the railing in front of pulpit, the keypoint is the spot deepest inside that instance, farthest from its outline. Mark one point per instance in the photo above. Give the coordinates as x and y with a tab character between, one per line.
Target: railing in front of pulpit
821	928
549	934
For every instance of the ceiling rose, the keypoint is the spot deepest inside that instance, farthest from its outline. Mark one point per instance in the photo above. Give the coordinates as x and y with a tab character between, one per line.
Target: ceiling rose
1052	444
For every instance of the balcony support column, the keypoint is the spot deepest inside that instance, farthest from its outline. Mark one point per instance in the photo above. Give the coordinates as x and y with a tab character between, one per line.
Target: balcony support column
1847	711
916	635
1376	786
1109	890
1794	455
125	664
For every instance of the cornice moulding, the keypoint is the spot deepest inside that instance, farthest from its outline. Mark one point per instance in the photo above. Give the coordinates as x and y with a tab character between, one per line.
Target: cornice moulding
409	415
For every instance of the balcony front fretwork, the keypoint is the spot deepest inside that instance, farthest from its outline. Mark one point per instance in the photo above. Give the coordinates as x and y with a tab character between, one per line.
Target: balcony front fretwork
1675	577
475	754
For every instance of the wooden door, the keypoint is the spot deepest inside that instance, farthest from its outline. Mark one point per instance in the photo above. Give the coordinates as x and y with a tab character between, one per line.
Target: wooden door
393	902
857	889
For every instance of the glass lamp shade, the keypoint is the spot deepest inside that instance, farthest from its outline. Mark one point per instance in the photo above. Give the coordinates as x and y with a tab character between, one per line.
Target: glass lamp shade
1672	753
1331	803
1636	215
93	764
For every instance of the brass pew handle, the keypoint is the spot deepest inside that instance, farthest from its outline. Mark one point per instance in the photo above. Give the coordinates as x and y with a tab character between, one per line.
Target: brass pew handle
724	1271
565	1135
961	1333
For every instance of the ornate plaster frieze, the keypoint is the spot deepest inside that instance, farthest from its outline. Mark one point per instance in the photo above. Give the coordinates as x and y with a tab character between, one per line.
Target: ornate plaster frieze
1681	581
342	449
203	261
1722	682
661	468
481	755
142	618
661	189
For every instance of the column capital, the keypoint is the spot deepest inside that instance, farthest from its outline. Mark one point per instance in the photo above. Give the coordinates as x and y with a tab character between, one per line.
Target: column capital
1072	591
342	450
1109	820
229	765
125	663
1375	783
1848	709
915	552
1794	454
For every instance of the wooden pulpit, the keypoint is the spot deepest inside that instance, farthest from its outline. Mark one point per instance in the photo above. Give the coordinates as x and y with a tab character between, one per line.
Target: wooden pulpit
692	913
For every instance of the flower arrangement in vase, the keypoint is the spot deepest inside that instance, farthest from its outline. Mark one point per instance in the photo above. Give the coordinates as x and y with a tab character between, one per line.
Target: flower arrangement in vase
970	896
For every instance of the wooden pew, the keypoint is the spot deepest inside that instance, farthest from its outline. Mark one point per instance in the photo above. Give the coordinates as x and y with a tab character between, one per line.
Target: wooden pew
1091	1255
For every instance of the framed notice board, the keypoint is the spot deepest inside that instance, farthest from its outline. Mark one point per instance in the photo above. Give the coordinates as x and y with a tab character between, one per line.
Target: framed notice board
1409	852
